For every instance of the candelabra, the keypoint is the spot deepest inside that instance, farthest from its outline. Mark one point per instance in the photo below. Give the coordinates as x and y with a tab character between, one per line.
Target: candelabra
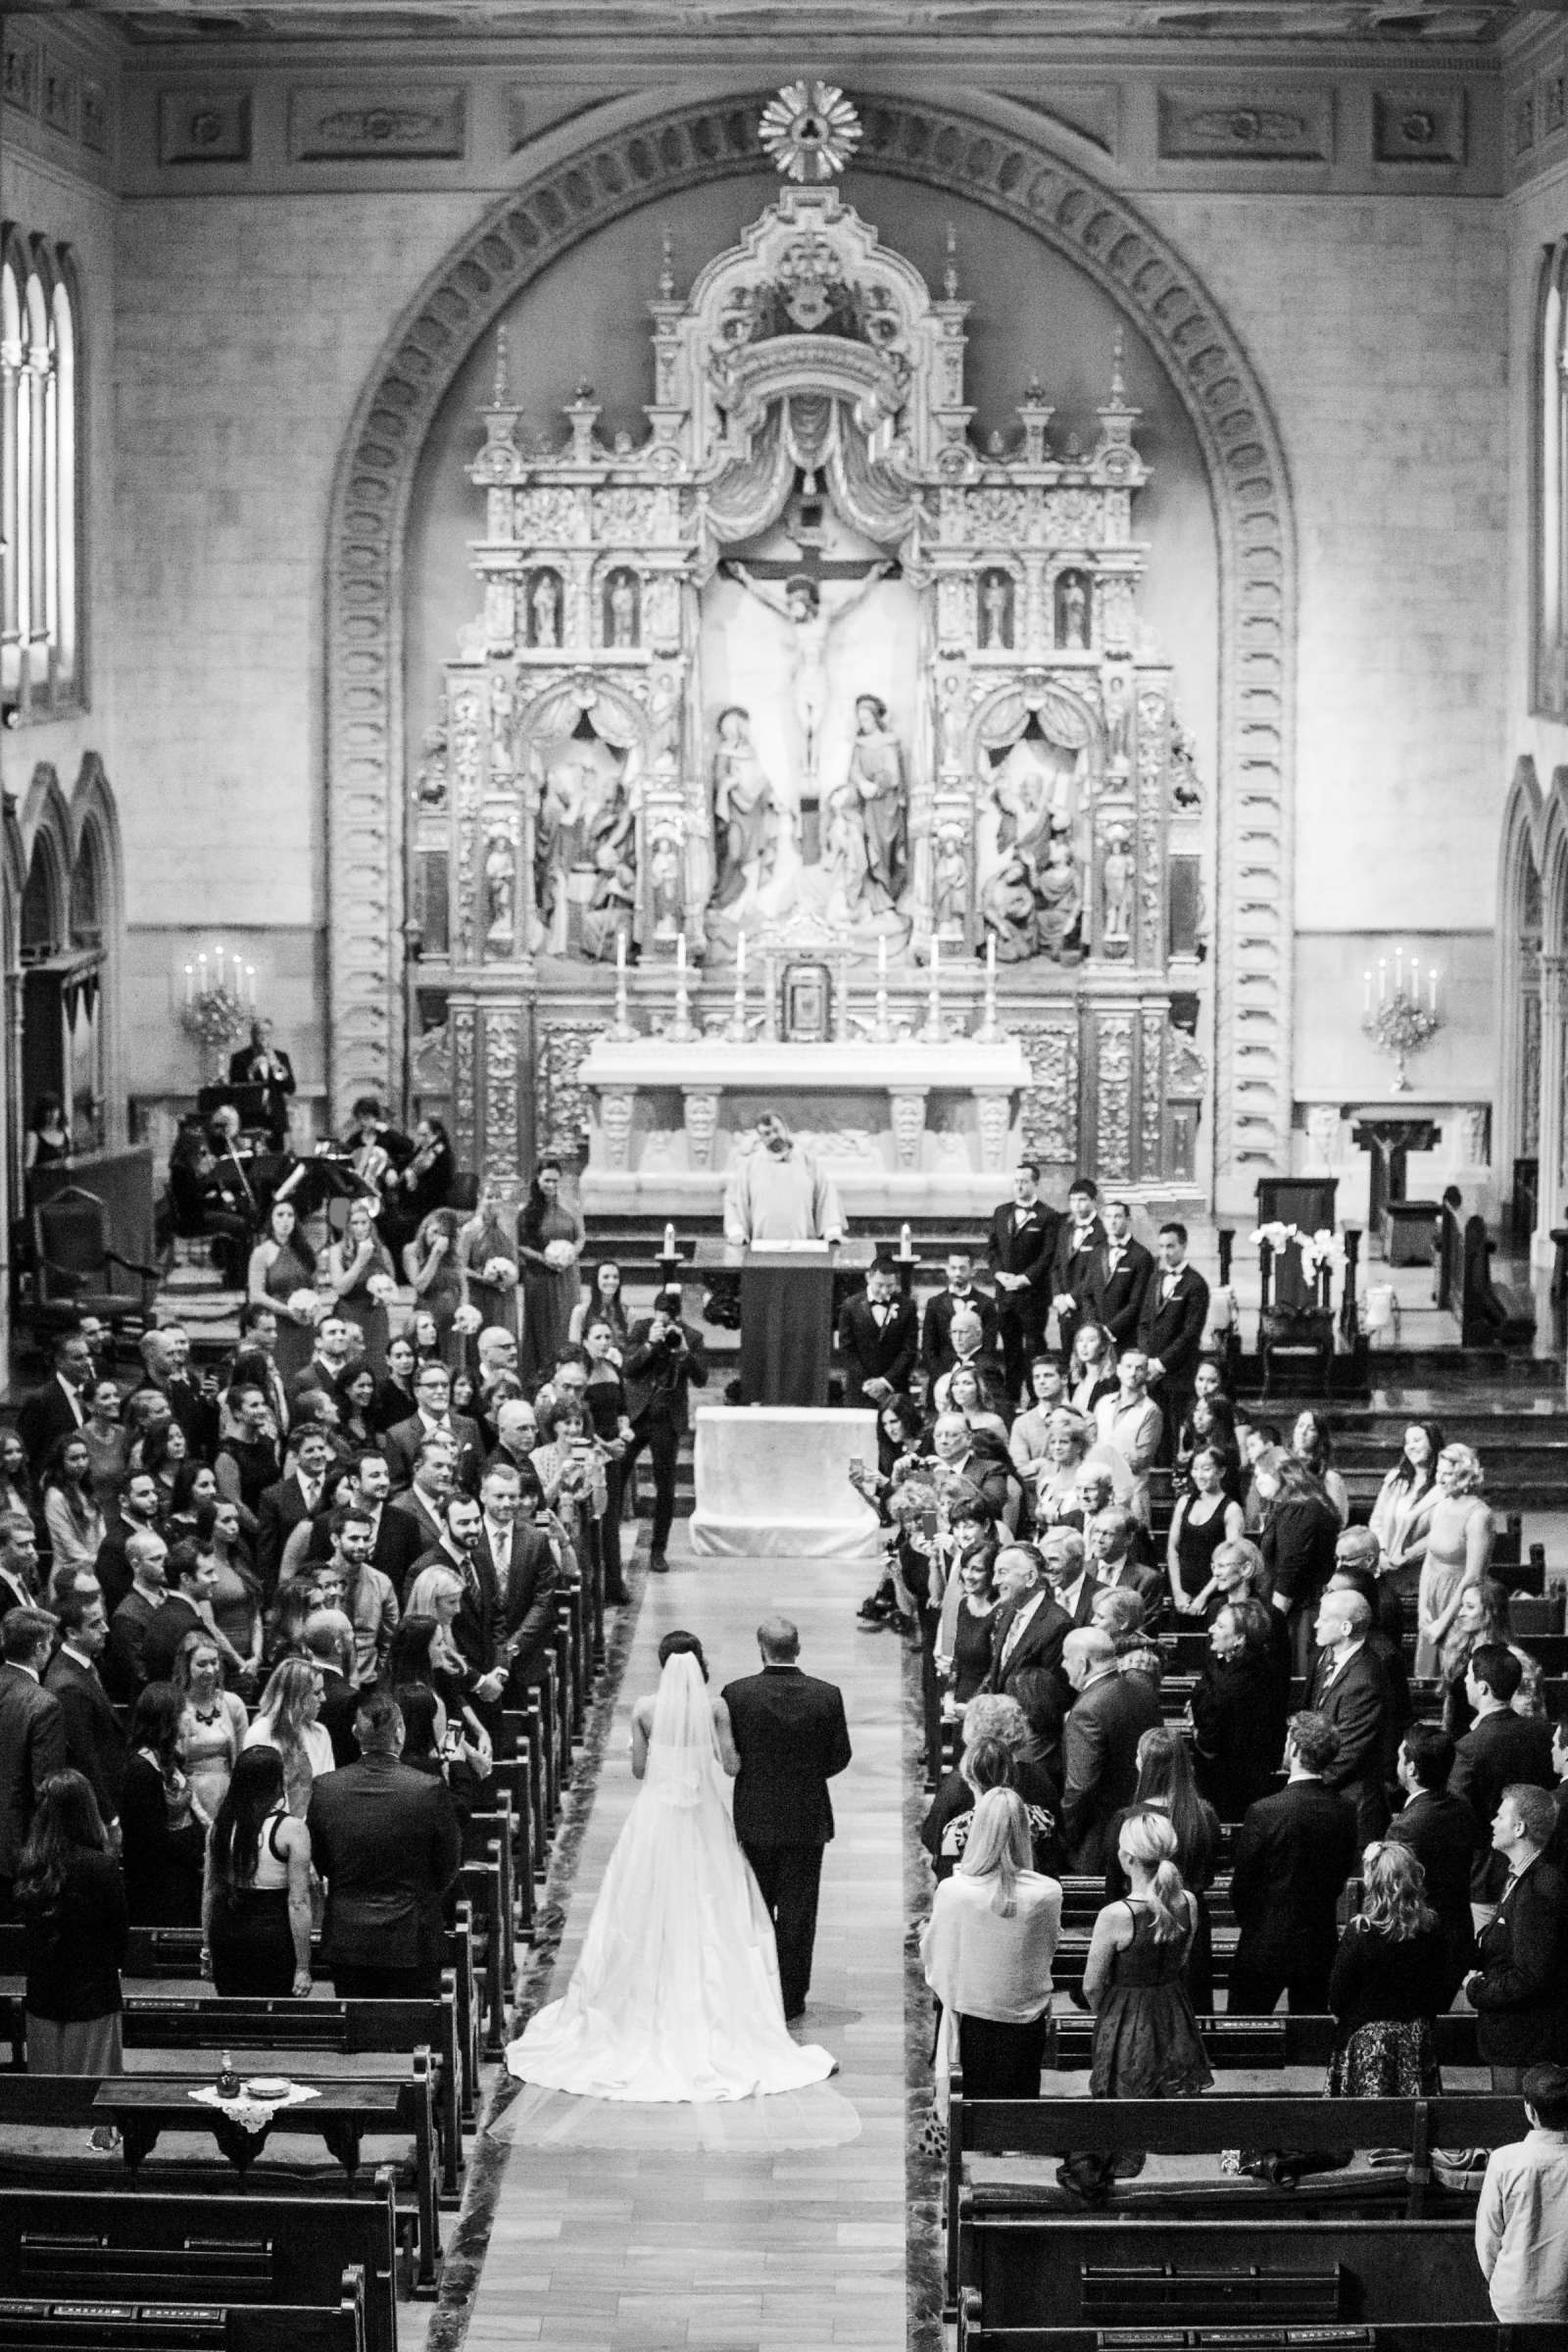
1396	1020
220	1001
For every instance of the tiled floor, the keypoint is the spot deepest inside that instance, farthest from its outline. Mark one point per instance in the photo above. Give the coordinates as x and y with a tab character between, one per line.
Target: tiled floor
736	2246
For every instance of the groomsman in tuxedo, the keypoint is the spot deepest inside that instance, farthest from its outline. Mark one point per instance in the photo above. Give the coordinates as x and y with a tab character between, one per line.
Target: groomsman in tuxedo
1118	1277
792	1739
935	1337
1020	1247
1170	1328
1078	1243
879	1340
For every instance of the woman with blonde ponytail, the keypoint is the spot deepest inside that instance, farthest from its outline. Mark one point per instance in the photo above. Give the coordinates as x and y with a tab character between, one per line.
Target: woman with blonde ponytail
1145	2035
987	1946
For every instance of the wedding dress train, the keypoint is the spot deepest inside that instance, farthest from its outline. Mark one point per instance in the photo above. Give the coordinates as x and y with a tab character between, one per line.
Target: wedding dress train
676	1995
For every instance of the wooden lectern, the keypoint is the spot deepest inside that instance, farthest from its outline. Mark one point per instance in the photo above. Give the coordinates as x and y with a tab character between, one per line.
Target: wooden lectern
786	1313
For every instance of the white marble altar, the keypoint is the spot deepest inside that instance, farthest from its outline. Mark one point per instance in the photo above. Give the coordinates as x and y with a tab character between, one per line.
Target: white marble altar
902	1126
773	1481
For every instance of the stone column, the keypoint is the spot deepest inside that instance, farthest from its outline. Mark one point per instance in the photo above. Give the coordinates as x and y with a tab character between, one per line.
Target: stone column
1551	1190
992	1108
701	1123
907	1117
617	1112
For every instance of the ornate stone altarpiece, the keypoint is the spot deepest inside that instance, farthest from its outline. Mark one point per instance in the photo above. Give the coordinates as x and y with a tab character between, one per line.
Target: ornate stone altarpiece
806	671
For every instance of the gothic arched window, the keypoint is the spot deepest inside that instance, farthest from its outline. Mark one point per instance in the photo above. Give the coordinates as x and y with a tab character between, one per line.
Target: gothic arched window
40	485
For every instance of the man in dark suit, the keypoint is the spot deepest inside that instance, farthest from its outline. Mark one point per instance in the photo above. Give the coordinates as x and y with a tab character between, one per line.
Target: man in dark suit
425	1503
396	1542
962	1459
1020	1244
1028	1628
1171	1326
433	1388
521	1560
1238	1710
386	1841
792	1739
190	1582
936	1330
1498	1748
1110	1538
1118	1277
262	1063
299	1494
664	1360
1444	1836
326	1363
1074	1585
166	1356
475	1630
19	1561
1108	1718
328	1640
95	1744
1520	1988
1078	1243
1349	1689
59	1407
879	1340
124	1675
1293	1852
32	1736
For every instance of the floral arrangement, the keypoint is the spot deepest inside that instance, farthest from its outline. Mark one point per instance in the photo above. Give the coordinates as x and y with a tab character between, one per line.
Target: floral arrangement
306	1306
466	1321
499	1272
558	1255
383	1288
1318	1249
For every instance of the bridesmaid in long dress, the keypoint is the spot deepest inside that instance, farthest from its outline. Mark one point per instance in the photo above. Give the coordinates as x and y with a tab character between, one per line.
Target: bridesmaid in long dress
1459	1542
550	1239
282	1263
434	1264
490	1239
353	1265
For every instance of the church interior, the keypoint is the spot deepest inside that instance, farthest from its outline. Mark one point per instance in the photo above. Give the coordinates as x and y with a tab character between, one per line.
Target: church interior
990	581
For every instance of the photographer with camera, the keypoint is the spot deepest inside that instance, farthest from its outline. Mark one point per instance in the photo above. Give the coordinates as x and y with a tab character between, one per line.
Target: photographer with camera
664	1359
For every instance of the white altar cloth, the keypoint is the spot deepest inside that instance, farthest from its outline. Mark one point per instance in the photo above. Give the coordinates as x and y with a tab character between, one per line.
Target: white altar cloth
774	1480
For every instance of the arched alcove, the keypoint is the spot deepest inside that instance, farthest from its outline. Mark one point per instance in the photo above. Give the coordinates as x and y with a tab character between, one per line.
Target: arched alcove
995	157
1520	912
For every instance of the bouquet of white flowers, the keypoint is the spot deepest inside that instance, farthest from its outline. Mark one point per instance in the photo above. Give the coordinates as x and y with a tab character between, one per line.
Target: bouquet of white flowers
499	1272
558	1255
383	1288
466	1321
306	1306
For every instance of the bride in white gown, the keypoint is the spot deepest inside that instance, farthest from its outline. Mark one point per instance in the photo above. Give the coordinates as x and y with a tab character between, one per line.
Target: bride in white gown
677	1993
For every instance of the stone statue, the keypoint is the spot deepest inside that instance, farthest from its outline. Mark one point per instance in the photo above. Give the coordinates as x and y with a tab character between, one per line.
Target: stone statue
559	844
544	604
623	601
499	888
1008	908
1116	890
950	721
949	882
502	710
745	813
810	627
1117	712
995	612
430	782
1058	893
878	780
664	881
1072	613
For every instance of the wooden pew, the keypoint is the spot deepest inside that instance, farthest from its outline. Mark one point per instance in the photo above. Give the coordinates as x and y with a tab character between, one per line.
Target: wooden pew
1258	2042
480	1882
179	2248
1420	2336
1033	2271
138	2326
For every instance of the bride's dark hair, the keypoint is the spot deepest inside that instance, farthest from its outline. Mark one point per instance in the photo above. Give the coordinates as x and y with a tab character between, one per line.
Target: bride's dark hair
677	1645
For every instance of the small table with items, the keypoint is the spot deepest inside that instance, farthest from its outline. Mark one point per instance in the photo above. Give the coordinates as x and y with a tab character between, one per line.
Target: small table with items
143	2106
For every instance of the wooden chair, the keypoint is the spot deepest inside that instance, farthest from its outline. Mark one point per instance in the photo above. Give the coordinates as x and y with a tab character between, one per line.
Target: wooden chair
74	1264
1296	1319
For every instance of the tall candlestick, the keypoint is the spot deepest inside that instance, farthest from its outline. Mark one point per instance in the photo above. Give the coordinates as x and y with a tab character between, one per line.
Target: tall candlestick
1382	979
190	984
620	954
1367	990
680	953
1432	986
1398	969
740	957
905	1250
250	985
669	1243
882	961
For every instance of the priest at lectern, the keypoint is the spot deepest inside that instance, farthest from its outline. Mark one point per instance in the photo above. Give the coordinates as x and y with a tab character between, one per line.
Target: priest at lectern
778	1193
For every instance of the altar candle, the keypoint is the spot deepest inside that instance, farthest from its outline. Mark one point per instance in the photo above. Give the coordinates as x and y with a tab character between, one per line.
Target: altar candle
669	1243
740	959
200	973
1432	986
935	958
905	1250
1366	992
882	961
620	954
190	984
1383	978
250	985
1398	969
1415	980
239	979
681	954
991	959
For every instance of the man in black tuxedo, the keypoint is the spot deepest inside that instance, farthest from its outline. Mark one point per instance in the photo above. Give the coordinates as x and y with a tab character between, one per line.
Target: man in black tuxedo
665	1359
1349	1689
1171	1326
1021	1246
792	1739
1078	1243
1029	1629
1444	1836
1498	1748
1293	1852
1108	1718
262	1063
32	1736
1118	1278
936	1332
386	1841
879	1340
298	1495
95	1744
1520	1988
57	1409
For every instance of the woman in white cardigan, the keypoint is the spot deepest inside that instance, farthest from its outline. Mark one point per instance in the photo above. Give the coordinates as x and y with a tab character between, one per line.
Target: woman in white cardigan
988	1947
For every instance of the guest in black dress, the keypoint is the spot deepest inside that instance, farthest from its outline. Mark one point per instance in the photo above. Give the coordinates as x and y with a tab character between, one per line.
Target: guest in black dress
75	1934
255	1899
163	1833
1166	1786
968	1661
1391	1979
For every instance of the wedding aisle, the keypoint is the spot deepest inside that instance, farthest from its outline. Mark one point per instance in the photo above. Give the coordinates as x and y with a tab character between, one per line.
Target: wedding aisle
762	2226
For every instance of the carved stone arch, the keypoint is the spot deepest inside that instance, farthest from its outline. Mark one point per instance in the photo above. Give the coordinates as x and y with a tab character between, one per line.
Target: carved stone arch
47	851
95	834
1520	908
983	152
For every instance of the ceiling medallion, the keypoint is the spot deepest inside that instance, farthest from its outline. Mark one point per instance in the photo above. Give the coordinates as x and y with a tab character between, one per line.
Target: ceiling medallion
811	130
